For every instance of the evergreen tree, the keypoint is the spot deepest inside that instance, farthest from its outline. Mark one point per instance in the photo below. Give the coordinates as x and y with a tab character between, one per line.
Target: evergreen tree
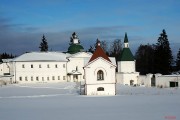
43	45
163	54
145	59
178	60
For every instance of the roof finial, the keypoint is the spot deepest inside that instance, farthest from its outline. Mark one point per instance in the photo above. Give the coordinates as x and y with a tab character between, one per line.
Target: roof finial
74	35
98	42
125	38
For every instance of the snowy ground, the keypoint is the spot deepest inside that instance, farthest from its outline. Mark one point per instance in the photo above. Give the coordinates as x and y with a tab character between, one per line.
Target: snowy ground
63	102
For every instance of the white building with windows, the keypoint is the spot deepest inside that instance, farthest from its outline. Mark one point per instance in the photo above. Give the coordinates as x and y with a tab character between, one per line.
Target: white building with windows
40	67
100	74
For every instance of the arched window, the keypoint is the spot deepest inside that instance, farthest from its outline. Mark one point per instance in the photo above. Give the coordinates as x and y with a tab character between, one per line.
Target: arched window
100	89
100	75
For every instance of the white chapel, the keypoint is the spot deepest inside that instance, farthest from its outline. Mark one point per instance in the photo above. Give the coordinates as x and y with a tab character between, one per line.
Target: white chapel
100	74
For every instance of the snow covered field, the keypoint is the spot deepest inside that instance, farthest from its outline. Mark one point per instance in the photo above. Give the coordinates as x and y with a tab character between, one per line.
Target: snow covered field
62	102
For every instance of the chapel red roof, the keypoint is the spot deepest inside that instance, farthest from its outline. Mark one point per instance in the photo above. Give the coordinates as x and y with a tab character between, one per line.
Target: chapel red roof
99	52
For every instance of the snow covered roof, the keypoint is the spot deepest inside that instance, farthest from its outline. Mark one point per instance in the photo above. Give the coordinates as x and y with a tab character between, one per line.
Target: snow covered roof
113	60
42	56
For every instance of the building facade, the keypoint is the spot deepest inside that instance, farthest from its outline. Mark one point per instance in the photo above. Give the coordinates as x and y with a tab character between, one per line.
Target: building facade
100	74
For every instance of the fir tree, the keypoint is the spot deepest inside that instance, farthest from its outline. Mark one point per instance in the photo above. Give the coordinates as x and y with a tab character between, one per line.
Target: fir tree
43	45
178	60
163	54
145	59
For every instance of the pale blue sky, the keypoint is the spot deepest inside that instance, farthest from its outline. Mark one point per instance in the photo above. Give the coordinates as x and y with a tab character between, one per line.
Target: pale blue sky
22	22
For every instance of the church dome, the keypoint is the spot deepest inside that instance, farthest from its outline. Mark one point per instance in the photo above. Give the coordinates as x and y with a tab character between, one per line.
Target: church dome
74	44
74	48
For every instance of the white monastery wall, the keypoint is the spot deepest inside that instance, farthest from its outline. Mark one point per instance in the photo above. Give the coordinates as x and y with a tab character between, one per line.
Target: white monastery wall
126	78
145	80
164	80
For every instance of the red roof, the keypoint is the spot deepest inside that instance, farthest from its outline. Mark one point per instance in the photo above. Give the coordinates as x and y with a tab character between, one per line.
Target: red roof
99	53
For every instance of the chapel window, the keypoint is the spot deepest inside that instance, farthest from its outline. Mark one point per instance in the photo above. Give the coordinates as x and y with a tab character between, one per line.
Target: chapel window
100	89
100	75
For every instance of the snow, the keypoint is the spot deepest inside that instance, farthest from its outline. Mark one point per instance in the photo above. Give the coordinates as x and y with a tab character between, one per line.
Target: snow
62	102
42	56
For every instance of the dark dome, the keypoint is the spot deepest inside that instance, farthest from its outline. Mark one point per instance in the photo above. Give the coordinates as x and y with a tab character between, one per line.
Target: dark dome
74	48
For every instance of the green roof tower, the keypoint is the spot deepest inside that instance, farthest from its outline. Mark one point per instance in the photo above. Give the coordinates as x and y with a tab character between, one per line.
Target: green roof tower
126	54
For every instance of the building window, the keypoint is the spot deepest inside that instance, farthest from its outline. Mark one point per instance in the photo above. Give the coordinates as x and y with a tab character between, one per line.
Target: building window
23	66
31	66
64	77
42	78
48	66
48	78
37	78
100	89
56	66
20	78
39	66
58	77
53	78
64	65
31	78
26	79
100	75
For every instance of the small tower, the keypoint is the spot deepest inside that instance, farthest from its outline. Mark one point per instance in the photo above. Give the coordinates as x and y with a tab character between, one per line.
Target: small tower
75	39
126	61
126	66
74	44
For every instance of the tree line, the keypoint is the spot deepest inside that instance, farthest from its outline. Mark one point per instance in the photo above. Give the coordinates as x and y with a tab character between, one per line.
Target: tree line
150	58
157	58
6	56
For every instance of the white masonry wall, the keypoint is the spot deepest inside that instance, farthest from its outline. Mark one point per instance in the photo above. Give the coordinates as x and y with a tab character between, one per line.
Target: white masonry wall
42	72
78	60
125	78
109	89
91	78
126	66
164	80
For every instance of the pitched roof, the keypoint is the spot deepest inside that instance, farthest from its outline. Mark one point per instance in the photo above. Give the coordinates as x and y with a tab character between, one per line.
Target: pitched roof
126	55
99	53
